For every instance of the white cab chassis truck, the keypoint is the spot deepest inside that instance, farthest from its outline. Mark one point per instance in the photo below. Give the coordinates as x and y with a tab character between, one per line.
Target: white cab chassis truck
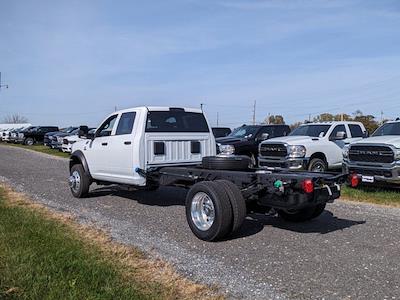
376	159
148	147
315	147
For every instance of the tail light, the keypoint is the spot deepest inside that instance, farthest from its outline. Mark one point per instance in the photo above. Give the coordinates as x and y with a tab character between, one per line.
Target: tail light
354	180
308	186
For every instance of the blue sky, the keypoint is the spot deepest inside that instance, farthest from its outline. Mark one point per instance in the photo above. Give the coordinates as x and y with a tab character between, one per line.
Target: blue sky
72	62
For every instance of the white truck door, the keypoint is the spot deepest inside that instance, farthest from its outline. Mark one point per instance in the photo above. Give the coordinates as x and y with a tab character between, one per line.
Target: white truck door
122	149
338	144
97	151
357	133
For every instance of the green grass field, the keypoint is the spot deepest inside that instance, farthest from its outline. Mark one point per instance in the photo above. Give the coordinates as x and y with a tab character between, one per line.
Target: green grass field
41	258
384	196
42	149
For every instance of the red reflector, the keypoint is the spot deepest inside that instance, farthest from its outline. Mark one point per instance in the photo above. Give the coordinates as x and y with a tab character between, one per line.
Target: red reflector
354	180
308	186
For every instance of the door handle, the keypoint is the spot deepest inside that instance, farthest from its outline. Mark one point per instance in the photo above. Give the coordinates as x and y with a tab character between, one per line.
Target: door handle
127	143
104	144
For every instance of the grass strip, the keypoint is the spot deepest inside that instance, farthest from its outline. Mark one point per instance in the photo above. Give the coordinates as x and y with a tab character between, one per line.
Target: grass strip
42	149
44	255
377	195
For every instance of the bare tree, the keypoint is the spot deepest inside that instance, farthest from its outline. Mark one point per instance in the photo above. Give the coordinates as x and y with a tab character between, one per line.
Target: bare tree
15	119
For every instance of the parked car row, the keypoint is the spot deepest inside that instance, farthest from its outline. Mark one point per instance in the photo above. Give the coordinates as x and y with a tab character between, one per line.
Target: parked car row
316	147
50	136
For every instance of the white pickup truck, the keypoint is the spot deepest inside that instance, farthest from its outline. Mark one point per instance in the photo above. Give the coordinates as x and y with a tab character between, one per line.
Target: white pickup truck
316	147
376	159
148	147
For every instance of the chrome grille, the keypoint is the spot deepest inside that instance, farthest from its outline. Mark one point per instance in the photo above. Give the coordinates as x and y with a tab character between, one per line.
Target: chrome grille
368	153
277	150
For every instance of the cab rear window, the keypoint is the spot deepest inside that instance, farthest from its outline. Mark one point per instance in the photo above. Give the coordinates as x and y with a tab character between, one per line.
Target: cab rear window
176	121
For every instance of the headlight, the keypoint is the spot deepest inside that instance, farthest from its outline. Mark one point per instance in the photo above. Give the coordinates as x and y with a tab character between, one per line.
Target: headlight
227	149
296	151
345	151
397	155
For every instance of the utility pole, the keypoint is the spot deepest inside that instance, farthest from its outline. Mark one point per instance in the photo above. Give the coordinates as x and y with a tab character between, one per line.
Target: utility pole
381	117
2	85
217	119
201	106
341	117
254	112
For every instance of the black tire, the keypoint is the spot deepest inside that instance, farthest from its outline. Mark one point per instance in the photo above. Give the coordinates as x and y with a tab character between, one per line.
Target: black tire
237	201
83	189
29	141
317	165
234	162
302	215
222	224
319	209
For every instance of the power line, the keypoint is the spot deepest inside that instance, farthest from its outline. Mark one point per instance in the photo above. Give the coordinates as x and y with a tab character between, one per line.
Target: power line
254	112
3	85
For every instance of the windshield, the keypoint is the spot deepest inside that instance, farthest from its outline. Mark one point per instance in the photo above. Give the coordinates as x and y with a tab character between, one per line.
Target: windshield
311	130
388	129
244	132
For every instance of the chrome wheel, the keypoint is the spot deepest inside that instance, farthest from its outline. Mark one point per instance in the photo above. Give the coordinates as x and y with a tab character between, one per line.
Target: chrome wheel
318	167
202	211
75	181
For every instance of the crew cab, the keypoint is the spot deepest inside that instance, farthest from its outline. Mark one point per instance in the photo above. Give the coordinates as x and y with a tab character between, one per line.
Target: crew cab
245	140
147	147
36	135
315	147
377	158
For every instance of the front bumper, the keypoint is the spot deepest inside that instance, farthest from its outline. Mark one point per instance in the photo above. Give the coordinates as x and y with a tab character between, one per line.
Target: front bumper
284	162
384	173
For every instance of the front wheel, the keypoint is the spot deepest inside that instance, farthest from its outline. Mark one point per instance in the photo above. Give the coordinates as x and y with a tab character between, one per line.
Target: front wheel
302	215
29	142
79	181
317	165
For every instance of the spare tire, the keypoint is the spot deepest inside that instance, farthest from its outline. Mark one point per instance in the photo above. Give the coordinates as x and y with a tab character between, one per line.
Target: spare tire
232	162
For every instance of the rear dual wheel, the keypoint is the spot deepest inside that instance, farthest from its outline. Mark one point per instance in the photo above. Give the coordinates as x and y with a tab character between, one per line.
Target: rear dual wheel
214	209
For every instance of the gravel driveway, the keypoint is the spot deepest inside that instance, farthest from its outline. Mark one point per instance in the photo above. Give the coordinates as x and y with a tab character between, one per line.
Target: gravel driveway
350	251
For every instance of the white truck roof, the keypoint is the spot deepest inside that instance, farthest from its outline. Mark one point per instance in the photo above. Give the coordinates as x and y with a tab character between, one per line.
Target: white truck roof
11	126
332	123
160	108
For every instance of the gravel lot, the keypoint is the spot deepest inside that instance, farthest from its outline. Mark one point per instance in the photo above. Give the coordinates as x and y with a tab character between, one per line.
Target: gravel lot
351	251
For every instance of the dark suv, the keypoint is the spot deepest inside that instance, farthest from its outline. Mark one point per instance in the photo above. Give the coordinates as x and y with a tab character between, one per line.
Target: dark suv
37	135
245	140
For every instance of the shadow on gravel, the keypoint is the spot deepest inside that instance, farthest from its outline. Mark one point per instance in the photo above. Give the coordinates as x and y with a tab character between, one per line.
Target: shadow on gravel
176	196
253	224
325	223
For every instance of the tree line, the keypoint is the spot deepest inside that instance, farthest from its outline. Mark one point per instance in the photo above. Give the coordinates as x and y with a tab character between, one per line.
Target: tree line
369	121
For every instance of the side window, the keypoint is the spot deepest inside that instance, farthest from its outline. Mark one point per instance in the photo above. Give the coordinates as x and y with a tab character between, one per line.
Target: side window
337	129
125	123
106	128
356	131
270	130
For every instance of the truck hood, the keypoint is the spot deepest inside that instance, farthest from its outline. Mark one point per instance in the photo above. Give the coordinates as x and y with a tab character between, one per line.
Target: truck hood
294	140
384	139
229	140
